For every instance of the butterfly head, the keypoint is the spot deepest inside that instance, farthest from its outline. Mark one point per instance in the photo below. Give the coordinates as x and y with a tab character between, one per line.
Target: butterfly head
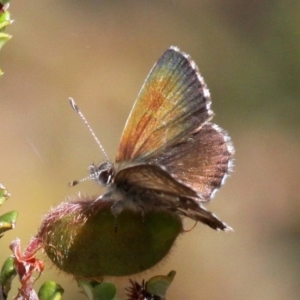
103	173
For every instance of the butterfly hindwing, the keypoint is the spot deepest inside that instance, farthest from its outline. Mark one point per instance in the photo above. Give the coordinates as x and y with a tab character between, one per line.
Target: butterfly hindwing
151	177
151	184
201	160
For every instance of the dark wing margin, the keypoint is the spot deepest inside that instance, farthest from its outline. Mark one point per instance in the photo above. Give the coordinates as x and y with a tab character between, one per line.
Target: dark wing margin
173	102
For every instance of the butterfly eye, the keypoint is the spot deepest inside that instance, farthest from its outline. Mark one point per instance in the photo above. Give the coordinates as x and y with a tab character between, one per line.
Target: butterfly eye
103	173
105	177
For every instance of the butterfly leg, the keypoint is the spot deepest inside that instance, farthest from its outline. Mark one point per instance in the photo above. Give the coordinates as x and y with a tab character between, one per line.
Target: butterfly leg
116	209
141	209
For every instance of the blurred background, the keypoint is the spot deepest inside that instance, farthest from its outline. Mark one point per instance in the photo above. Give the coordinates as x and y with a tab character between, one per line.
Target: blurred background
99	53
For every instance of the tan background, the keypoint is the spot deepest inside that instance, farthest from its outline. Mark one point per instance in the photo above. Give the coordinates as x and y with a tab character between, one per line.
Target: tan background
99	52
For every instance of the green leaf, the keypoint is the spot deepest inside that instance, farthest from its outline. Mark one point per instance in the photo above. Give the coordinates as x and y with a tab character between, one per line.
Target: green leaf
87	287
158	285
8	221
9	217
97	290
3	2
4	37
50	290
7	274
104	291
4	194
4	21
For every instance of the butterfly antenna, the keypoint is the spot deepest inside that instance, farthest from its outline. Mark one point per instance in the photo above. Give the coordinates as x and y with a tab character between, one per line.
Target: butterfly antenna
75	182
78	111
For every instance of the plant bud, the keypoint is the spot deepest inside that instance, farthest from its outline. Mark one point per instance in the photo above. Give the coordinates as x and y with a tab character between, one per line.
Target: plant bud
83	238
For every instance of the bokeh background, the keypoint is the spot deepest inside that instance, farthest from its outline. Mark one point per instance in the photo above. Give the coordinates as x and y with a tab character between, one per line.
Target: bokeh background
99	52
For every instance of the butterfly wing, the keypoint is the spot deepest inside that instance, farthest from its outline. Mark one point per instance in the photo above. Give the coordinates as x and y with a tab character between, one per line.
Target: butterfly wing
200	161
169	126
153	185
173	103
152	177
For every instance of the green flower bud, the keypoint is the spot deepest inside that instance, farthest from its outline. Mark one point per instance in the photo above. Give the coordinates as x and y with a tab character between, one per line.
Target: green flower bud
84	238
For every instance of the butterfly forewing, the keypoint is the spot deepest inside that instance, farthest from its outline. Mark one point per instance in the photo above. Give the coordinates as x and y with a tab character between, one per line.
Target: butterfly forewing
172	103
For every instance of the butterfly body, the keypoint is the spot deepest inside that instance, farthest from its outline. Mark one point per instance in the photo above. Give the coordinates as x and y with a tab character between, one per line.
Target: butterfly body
170	155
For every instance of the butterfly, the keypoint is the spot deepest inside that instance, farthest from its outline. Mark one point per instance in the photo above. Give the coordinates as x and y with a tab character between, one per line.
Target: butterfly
170	155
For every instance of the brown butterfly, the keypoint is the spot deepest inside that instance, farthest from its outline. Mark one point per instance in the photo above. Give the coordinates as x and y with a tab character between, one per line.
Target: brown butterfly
170	155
